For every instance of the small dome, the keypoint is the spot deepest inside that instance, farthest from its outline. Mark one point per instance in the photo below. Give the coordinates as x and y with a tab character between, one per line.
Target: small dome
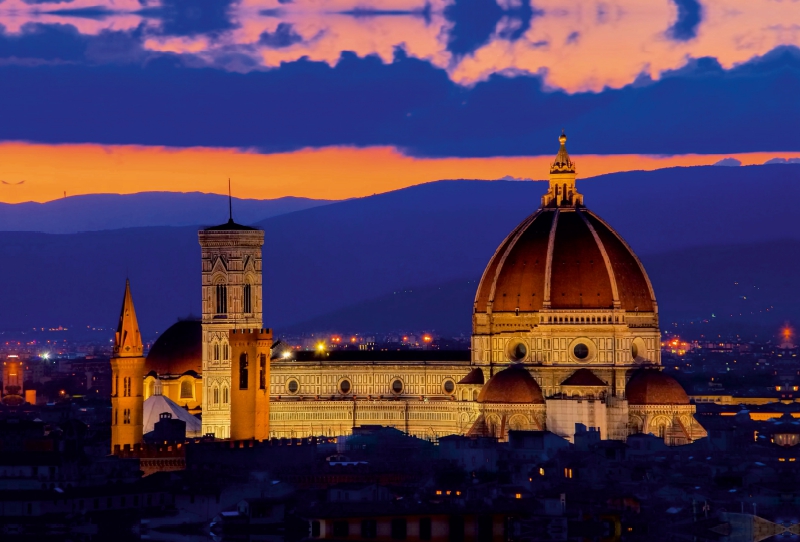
583	377
589	266
475	376
653	387
178	350
512	385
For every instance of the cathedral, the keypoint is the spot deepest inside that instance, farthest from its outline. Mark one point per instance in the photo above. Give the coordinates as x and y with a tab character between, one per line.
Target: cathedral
564	331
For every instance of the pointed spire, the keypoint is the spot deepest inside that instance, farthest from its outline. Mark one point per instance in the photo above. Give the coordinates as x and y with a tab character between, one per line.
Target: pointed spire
562	163
128	340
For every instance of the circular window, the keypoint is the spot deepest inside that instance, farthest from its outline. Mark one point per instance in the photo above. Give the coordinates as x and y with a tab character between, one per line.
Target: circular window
449	386
517	351
634	351
344	386
397	386
581	351
292	386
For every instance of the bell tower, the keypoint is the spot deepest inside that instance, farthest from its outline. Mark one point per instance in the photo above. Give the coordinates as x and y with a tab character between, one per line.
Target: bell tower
127	378
231	292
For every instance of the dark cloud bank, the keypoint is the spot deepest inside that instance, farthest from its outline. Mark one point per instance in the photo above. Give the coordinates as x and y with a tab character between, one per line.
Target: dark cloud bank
62	87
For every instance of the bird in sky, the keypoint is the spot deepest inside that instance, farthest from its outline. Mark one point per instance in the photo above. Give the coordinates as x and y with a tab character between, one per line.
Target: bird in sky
12	184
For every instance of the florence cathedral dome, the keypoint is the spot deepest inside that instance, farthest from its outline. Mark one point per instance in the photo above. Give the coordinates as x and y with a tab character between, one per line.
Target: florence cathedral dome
564	256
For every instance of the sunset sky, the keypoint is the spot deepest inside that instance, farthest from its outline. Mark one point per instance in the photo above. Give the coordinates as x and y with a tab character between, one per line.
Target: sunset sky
343	98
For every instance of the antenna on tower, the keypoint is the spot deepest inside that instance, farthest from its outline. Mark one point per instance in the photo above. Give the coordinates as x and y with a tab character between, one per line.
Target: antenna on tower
230	202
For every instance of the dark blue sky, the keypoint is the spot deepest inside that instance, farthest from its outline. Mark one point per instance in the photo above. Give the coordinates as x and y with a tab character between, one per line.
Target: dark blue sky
75	73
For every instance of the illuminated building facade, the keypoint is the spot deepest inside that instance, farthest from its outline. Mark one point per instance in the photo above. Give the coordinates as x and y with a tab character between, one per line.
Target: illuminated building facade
231	294
565	322
127	379
565	331
13	379
250	383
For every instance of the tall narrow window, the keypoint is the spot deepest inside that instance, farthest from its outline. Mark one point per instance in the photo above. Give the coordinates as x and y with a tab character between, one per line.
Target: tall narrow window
222	299
126	382
243	371
116	417
262	372
224	395
116	385
126	416
216	351
225	352
248	299
215	395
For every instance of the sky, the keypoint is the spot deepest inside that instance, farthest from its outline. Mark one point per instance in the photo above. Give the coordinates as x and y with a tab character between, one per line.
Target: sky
344	98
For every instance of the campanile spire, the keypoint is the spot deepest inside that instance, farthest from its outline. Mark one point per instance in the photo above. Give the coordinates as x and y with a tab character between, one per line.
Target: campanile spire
127	339
562	192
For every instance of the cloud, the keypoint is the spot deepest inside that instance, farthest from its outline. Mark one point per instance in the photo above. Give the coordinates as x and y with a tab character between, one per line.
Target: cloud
178	100
193	17
284	36
512	178
690	14
783	161
568	42
728	162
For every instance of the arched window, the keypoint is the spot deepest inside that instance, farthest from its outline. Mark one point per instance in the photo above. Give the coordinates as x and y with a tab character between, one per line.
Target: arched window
222	299
224	395
243	372
248	299
186	389
126	383
225	352
216	351
215	396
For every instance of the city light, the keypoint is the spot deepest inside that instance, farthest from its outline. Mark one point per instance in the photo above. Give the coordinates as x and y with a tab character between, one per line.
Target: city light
286	354
320	347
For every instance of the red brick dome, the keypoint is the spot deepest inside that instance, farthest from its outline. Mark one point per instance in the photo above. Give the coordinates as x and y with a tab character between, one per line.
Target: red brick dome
653	387
178	350
512	385
590	267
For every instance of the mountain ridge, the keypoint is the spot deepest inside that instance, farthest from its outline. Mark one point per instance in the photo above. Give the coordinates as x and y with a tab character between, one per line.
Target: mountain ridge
106	211
323	259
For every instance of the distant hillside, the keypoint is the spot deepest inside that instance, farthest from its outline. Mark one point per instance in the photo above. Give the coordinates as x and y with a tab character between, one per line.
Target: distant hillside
709	288
697	229
114	211
445	309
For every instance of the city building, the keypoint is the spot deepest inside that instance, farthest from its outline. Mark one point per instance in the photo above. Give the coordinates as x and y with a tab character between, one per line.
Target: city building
127	379
565	332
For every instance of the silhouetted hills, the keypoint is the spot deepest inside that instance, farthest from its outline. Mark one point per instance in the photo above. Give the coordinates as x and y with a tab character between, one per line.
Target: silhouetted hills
739	287
113	211
698	230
